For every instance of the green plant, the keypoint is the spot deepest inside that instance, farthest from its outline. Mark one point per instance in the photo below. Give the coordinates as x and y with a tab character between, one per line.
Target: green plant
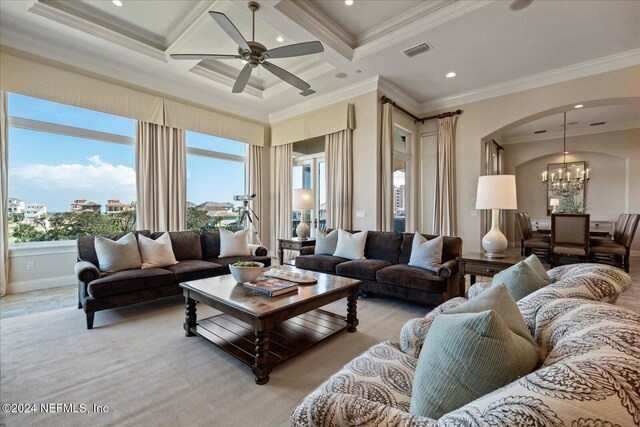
571	205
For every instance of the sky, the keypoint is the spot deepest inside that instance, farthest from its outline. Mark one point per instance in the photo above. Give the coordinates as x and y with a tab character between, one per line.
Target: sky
57	169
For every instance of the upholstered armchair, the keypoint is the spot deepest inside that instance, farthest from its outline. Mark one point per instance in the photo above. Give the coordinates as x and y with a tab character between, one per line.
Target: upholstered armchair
569	236
531	241
617	251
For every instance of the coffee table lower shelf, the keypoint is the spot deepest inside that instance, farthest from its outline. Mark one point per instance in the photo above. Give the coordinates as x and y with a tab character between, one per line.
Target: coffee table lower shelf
287	339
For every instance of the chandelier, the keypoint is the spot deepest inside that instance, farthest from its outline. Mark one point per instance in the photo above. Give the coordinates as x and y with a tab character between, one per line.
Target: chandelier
564	183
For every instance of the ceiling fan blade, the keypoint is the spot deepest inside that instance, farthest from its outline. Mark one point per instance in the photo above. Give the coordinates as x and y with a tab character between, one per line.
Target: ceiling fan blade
203	56
242	79
298	49
231	30
286	76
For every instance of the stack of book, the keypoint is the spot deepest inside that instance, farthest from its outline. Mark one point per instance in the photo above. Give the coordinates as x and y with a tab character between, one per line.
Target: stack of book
271	287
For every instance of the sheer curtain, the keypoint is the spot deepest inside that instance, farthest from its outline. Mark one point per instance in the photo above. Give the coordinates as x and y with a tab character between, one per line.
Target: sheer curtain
386	164
255	186
4	193
339	157
161	179
282	193
445	203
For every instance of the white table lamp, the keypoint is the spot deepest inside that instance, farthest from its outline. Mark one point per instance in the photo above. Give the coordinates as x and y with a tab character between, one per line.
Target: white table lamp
496	192
555	203
302	200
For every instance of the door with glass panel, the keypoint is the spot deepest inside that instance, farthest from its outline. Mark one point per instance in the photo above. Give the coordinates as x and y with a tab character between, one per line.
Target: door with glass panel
310	172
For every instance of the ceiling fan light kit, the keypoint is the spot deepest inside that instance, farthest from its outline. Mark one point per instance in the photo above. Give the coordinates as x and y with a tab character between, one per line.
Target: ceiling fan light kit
254	54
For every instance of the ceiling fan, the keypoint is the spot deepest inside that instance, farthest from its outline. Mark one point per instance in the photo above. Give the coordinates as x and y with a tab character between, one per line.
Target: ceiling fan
255	54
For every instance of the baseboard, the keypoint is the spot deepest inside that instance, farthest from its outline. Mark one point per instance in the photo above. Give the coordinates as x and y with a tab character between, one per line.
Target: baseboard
34	285
634	253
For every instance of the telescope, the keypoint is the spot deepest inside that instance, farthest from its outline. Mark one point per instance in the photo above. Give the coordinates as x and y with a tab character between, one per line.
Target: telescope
244	197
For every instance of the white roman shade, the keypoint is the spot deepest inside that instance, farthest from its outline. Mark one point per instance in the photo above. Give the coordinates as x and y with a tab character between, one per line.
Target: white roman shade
333	119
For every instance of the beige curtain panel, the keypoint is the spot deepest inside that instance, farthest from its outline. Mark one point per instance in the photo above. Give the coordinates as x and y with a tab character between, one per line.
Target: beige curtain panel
4	194
445	203
282	194
339	158
255	186
386	171
161	179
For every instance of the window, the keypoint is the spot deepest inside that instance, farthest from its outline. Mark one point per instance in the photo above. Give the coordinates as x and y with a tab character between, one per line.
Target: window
216	171
429	163
71	171
401	161
309	171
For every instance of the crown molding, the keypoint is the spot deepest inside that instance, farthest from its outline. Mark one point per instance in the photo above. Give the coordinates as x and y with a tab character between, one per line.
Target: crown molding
306	15
58	13
196	26
412	23
590	130
559	75
338	95
225	80
401	97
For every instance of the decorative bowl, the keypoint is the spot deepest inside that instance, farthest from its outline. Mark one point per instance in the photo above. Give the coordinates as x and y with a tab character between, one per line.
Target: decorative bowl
246	274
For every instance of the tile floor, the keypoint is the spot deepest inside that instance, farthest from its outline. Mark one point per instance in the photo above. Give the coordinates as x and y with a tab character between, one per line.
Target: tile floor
66	296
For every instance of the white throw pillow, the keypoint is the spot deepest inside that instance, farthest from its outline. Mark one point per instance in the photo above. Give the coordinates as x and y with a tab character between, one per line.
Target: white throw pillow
119	255
234	244
351	246
425	253
156	253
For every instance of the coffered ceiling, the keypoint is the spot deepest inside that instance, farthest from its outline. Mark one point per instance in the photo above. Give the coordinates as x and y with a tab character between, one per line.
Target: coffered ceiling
492	48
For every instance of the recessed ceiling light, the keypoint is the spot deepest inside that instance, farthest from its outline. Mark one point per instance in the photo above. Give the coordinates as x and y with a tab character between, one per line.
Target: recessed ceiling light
341	75
578	106
244	61
450	75
348	2
280	39
117	3
358	71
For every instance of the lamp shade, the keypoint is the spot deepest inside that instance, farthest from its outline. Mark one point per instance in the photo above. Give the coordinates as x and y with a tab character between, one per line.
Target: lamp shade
302	199
496	192
554	202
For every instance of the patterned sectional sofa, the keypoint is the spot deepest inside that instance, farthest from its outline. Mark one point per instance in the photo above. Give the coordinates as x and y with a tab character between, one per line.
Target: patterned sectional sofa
588	374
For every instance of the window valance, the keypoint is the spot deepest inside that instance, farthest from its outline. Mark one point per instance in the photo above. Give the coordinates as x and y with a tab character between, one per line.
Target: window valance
318	123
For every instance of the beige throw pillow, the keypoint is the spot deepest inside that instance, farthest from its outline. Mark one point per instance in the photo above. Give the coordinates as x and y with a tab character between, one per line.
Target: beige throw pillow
234	244
156	253
425	253
351	246
119	255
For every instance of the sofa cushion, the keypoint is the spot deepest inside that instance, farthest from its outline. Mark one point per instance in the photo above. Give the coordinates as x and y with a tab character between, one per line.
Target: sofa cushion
122	254
326	242
384	246
195	269
411	277
156	253
210	241
87	249
425	253
361	269
185	244
129	281
471	350
231	259
322	263
521	280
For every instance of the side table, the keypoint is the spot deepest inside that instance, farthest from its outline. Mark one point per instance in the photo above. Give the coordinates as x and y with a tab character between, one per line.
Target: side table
294	244
476	263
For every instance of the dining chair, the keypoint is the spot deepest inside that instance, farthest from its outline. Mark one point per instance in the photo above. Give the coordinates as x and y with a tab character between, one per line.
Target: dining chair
618	232
531	241
617	251
569	236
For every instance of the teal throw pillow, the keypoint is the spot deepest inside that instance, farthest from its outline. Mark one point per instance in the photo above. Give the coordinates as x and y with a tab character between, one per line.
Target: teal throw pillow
537	266
472	350
326	242
521	280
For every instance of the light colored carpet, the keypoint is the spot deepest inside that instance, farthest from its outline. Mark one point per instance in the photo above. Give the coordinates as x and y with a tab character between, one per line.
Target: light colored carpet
138	362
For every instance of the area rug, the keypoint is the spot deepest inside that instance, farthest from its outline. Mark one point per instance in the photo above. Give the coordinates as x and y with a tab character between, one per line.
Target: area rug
137	368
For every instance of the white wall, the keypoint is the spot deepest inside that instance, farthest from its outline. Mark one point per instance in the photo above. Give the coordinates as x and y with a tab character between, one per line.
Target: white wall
53	264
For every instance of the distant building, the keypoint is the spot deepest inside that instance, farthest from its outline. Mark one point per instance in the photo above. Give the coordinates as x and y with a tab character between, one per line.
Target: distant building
211	207
399	197
15	205
82	205
116	206
34	210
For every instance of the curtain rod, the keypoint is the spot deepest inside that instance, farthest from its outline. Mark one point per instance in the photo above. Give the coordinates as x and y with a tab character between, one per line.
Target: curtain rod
386	100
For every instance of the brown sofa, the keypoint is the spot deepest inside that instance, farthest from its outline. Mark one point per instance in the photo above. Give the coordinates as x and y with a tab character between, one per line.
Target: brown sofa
385	271
197	256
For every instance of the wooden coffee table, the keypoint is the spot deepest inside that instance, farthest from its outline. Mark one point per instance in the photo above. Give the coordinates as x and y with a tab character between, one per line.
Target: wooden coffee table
261	331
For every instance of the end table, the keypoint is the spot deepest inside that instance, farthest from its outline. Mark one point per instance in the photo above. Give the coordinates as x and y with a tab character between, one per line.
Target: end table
476	263
294	244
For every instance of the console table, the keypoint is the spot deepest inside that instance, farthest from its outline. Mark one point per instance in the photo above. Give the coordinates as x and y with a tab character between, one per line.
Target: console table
477	263
293	244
